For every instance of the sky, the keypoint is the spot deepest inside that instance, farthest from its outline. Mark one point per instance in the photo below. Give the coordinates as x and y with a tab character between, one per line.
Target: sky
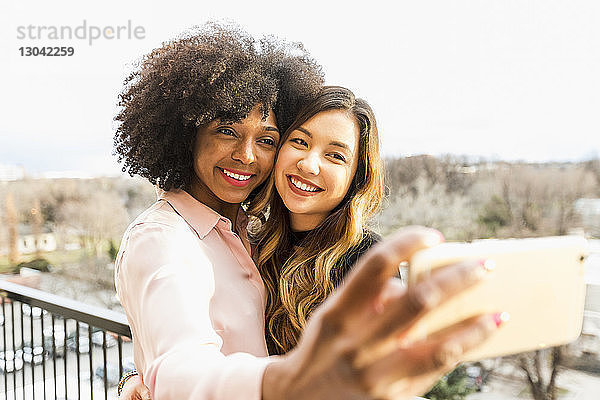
510	79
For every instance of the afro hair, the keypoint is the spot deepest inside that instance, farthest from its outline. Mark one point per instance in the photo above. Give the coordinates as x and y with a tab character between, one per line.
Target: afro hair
213	72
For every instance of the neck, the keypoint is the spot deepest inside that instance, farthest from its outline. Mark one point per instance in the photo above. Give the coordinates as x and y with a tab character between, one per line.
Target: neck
206	197
305	222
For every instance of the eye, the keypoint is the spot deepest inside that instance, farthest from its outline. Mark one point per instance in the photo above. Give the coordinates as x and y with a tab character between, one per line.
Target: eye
226	131
338	156
268	141
299	141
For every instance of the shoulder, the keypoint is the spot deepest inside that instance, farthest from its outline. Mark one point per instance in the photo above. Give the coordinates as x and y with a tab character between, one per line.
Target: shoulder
369	239
158	236
346	262
159	221
159	213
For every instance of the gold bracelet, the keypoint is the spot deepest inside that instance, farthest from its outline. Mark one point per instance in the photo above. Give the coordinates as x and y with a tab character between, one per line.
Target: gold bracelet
124	379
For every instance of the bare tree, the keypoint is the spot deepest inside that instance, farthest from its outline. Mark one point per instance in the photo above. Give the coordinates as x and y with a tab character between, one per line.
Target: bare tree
593	166
430	205
541	369
98	217
36	224
12	222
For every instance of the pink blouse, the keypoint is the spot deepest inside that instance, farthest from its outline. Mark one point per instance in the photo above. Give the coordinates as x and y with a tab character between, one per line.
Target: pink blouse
194	300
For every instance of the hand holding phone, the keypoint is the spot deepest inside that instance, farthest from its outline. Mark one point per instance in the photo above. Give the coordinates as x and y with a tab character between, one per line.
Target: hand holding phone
538	283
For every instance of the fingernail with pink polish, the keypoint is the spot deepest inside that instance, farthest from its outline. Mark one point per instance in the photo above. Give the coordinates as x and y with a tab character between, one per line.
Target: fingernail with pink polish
433	238
501	318
488	265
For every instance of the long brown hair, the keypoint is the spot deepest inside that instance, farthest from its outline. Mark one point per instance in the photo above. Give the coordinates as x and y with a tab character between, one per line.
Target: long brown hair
298	279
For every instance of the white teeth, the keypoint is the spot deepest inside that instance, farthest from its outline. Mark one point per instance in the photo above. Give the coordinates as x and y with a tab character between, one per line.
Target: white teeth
236	176
303	186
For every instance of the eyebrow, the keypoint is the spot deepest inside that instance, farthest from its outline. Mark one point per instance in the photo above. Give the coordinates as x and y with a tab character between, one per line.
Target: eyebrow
267	128
306	132
334	143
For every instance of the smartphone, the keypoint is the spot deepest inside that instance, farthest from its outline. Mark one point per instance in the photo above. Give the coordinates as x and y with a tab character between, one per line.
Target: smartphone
539	282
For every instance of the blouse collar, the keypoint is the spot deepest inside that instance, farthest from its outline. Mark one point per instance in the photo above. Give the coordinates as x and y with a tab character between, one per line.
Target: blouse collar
201	217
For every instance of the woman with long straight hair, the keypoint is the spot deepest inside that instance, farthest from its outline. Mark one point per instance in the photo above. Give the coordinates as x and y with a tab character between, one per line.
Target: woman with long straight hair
313	237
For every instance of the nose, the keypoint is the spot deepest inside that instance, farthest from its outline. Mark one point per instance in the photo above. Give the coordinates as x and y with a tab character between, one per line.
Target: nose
310	164
244	152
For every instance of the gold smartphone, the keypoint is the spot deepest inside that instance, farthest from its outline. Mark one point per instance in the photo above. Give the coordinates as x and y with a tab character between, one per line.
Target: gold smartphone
539	282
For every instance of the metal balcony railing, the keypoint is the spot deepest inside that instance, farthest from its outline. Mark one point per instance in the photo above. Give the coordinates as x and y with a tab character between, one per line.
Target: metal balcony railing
57	348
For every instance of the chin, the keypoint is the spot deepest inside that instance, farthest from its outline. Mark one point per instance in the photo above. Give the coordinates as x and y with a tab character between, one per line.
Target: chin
296	207
233	198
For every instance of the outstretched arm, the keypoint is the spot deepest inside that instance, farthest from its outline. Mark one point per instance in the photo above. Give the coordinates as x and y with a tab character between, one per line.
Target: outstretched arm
352	347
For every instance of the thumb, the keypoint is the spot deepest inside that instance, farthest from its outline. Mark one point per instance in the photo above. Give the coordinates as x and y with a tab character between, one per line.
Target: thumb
373	269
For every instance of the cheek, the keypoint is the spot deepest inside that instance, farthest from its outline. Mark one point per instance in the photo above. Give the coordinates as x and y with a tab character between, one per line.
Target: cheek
284	158
279	174
205	151
340	179
201	157
267	165
277	169
271	160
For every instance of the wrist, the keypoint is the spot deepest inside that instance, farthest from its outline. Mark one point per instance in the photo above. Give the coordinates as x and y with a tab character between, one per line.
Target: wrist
124	379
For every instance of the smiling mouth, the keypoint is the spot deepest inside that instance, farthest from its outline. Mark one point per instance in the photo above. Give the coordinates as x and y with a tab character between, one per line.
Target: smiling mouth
237	176
303	186
237	179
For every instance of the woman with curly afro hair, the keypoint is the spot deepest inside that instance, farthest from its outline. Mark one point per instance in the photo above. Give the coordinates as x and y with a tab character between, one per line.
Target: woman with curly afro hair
214	73
201	119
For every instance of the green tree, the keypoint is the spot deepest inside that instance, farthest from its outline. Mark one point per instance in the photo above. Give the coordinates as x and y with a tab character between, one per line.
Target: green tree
454	386
112	250
495	214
